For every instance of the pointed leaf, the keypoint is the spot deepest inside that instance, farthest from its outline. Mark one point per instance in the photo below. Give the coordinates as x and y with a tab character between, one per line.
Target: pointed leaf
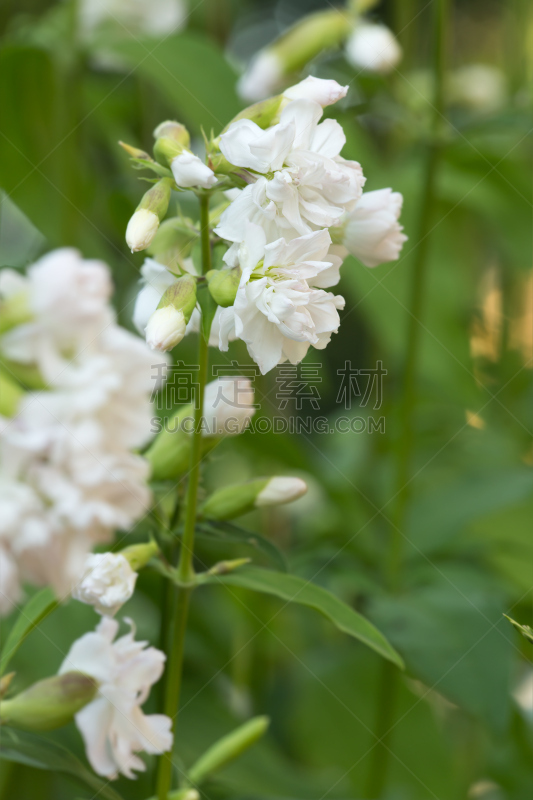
229	532
297	590
36	609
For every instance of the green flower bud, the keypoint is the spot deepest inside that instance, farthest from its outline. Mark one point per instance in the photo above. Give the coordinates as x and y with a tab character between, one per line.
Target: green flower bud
14	311
309	37
138	555
223	285
181	296
228	748
171	139
233	501
10	395
50	703
174	234
263	113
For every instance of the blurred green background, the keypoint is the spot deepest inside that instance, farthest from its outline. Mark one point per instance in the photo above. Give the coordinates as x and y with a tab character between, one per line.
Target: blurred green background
459	722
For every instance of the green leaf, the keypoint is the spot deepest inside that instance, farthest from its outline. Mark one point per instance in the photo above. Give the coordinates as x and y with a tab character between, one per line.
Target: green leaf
229	532
297	590
451	633
190	71
36	609
35	751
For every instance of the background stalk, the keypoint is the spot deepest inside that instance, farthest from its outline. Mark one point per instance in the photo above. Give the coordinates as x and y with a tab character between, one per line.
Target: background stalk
390	678
174	668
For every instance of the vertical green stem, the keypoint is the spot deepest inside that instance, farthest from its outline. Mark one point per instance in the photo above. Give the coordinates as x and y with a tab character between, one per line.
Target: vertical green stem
174	667
389	680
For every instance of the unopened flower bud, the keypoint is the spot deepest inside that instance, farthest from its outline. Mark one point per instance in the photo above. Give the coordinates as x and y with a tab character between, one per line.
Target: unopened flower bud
373	48
223	285
228	748
143	225
233	501
166	327
189	170
263	113
171	139
174	234
50	703
107	582
141	229
292	51
228	409
138	555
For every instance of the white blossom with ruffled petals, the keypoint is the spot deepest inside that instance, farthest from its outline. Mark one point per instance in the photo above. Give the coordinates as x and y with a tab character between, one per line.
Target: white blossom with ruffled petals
303	183
113	726
279	311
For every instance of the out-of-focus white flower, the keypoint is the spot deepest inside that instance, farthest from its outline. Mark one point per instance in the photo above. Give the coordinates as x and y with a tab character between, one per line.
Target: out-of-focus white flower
113	725
279	312
228	406
281	490
166	328
372	232
481	87
321	91
107	582
373	47
68	478
157	17
189	170
262	78
304	184
141	229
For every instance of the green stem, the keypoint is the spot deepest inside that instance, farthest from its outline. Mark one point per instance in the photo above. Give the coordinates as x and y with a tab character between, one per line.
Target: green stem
417	297
389	681
174	668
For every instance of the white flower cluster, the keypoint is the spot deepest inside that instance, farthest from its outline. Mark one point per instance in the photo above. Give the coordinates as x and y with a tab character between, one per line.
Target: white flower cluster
300	194
68	476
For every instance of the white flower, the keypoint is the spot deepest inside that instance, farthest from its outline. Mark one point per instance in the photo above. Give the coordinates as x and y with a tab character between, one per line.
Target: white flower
281	490
134	16
113	725
307	184
166	328
141	229
228	406
372	232
279	312
373	47
107	582
262	77
481	87
321	91
189	170
68	478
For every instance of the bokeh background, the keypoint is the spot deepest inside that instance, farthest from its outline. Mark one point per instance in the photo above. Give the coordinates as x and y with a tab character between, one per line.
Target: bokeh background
459	722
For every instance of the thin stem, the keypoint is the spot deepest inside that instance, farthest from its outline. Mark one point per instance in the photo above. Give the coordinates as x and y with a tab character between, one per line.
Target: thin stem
174	669
390	678
417	297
